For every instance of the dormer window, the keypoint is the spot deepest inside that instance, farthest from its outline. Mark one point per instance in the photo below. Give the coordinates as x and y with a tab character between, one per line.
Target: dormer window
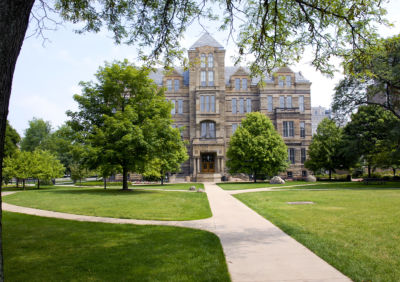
281	81
169	84
244	83
237	83
288	80
210	60
203	60
176	84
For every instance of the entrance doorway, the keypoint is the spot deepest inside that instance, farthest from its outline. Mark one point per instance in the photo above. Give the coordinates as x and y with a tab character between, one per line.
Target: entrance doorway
208	162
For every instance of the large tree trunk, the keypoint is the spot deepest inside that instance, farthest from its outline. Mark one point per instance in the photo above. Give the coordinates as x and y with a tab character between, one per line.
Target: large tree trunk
369	171
14	19
105	182
255	177
162	178
394	171
124	178
330	175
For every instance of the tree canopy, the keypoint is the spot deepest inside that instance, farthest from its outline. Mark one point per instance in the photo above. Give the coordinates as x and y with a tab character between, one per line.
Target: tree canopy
256	148
35	134
11	141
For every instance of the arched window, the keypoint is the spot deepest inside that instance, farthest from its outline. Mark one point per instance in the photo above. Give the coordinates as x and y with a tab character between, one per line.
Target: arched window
203	60
210	60
207	129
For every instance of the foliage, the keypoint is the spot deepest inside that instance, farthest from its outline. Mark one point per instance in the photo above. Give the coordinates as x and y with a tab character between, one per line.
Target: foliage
11	141
256	147
323	152
35	134
363	136
123	119
134	252
374	79
78	172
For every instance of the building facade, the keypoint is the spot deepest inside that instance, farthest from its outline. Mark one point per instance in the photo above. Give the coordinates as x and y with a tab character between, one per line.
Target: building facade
211	100
317	115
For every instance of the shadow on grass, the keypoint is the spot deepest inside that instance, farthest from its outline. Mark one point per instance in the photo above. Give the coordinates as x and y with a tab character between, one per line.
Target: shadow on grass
99	192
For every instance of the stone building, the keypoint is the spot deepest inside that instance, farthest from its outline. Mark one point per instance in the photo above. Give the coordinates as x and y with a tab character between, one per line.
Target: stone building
317	115
211	100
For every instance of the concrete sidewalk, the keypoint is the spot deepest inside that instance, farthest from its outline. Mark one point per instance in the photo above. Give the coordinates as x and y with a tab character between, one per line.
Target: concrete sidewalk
256	250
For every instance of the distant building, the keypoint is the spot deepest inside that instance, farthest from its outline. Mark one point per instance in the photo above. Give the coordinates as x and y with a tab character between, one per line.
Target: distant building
317	115
211	99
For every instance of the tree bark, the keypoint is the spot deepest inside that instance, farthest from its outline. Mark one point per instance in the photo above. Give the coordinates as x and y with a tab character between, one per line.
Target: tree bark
369	171
23	183
124	178
330	175
14	20
394	171
105	183
162	178
38	183
255	177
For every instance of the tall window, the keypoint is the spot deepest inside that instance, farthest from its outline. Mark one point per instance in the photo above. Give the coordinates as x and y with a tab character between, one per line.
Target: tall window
302	129
207	129
210	60
176	84
207	103
288	80
241	105
289	102
234	127
288	129
281	102
180	106
303	155
169	84
291	155
210	78
237	83
281	81
301	103
203	78
234	107
269	103
248	105
173	107
244	83
203	60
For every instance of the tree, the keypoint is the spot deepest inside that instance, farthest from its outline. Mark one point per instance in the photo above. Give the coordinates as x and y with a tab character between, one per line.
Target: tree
276	31
372	79
257	148
368	128
45	166
323	152
120	117
35	134
19	166
11	140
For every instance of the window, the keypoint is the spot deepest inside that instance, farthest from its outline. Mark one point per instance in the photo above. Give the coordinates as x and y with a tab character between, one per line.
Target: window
269	103
289	102
302	129
173	107
237	83
180	106
304	173
176	84
207	103
241	105
248	105
234	106
303	156
234	127
290	174
169	84
281	81
203	78
207	129
288	129
288	80
301	103
281	102
244	83
210	60
291	155
210	78
203	60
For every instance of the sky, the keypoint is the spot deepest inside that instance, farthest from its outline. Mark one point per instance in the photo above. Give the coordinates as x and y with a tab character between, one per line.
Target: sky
48	72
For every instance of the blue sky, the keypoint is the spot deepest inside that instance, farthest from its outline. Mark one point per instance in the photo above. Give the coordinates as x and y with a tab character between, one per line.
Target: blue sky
47	73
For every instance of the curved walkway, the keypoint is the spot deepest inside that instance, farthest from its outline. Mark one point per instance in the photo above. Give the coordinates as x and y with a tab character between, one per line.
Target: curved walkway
255	249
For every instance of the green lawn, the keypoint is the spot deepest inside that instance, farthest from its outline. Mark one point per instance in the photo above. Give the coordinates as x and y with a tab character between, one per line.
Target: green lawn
356	231
347	185
252	185
167	186
137	204
45	249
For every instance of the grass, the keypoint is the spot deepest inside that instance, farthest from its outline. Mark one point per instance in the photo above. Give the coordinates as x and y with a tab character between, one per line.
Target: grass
46	249
137	204
177	186
347	185
356	231
252	185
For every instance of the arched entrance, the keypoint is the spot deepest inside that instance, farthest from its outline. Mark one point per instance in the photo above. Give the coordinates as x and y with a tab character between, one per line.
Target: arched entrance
208	162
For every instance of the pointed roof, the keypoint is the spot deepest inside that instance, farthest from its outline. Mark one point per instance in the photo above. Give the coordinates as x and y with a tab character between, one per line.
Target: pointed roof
284	69
206	40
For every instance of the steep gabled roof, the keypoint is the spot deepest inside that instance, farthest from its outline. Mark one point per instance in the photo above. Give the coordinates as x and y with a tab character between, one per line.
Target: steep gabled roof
206	40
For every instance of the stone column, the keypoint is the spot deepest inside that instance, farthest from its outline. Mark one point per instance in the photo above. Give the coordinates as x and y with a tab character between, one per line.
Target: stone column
198	165
194	167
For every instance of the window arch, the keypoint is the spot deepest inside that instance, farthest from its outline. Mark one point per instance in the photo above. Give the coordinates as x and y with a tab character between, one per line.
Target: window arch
207	129
210	60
